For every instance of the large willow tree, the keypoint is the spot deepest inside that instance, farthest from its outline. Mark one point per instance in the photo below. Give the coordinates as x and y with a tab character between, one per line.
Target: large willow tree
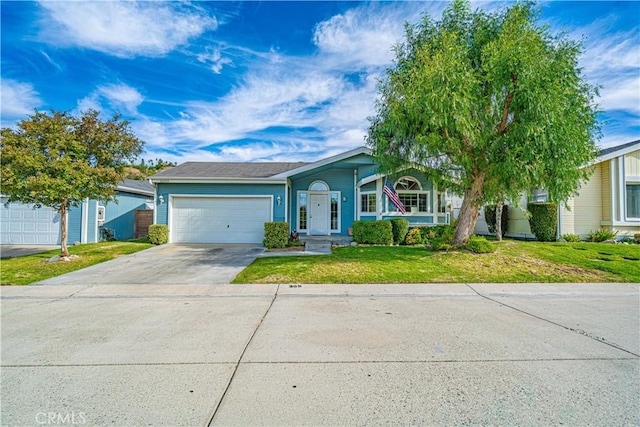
489	105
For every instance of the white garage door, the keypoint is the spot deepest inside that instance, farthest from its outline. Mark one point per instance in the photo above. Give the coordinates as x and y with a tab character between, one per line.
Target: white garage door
20	224
219	219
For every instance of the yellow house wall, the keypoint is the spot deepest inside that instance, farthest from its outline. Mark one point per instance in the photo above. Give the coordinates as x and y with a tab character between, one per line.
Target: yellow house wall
586	208
632	164
605	176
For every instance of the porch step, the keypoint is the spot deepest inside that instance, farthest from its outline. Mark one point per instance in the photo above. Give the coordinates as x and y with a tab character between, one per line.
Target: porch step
318	247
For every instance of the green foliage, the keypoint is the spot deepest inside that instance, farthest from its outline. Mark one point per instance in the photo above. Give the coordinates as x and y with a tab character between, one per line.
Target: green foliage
636	237
414	237
601	235
491	103
571	238
373	232
544	220
440	237
276	234
399	227
158	234
143	170
58	160
480	245
490	217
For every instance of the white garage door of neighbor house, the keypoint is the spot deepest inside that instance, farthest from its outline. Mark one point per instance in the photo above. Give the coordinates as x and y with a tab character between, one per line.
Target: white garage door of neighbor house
219	219
20	224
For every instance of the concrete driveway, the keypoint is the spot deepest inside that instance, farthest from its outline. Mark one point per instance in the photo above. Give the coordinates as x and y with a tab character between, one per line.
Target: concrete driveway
202	354
13	251
167	264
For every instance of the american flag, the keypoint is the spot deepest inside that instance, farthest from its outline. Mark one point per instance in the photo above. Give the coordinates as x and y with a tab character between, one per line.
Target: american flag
393	196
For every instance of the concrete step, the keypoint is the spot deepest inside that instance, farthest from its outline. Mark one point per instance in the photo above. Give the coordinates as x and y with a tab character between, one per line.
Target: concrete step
318	247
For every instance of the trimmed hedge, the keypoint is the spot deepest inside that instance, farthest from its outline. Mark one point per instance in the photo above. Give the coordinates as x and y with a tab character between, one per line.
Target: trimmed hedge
480	245
276	234
373	232
544	220
490	217
158	234
399	228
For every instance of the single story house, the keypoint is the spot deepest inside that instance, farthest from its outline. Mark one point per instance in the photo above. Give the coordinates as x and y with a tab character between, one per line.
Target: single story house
225	202
21	224
610	199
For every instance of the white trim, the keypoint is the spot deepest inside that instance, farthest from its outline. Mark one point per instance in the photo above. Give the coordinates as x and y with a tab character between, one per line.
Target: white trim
369	179
134	191
622	203
84	230
617	153
324	162
172	197
298	229
286	202
318	181
356	197
97	234
612	187
360	207
379	201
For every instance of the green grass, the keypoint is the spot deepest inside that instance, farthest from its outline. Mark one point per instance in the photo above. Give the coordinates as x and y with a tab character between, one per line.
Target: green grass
514	261
34	268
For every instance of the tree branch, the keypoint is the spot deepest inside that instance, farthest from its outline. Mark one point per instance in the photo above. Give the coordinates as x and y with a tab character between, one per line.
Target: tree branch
502	127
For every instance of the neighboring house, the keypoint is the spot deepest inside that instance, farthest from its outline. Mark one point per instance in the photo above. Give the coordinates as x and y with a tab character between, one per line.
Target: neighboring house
610	199
223	202
21	224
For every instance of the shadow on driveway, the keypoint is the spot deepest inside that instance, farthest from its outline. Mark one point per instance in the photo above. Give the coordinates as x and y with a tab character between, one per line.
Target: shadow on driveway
168	264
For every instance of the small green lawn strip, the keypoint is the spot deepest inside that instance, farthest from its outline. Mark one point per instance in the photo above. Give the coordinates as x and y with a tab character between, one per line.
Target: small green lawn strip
514	261
34	268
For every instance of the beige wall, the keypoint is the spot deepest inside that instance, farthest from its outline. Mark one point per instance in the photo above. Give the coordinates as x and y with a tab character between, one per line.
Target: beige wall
585	214
632	164
605	176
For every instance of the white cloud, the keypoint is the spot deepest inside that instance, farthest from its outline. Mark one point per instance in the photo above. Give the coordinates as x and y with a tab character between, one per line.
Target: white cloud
124	29
118	97
18	99
213	58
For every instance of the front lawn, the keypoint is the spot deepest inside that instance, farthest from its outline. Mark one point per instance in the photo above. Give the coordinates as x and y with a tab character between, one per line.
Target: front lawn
34	268
514	261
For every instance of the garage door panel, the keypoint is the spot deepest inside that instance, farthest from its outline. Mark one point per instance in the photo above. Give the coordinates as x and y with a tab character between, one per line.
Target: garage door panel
219	219
23	225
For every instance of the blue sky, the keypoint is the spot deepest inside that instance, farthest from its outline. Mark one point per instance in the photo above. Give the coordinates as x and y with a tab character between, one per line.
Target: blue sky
251	81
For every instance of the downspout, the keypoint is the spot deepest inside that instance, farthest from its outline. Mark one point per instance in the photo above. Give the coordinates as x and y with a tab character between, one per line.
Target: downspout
355	195
612	188
559	230
286	204
155	202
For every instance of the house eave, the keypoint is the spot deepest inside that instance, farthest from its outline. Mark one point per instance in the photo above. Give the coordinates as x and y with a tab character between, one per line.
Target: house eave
209	180
324	162
134	191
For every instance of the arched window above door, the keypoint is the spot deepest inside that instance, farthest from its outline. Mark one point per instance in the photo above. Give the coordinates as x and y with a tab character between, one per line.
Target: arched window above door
408	183
318	186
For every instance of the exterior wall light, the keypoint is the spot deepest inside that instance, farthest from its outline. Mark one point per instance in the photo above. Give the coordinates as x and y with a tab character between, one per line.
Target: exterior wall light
161	199
278	200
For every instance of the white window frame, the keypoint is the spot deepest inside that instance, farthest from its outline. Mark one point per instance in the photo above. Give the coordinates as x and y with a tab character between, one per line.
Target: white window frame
418	193
629	181
330	193
375	205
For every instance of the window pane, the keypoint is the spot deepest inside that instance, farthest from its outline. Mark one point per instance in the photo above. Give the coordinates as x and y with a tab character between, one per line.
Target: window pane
319	186
372	203
633	200
368	202
302	211
334	211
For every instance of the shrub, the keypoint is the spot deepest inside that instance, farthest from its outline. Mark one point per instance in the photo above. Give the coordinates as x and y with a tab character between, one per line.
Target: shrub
399	228
636	237
480	245
414	237
440	237
544	220
601	235
158	234
490	217
276	234
571	238
373	232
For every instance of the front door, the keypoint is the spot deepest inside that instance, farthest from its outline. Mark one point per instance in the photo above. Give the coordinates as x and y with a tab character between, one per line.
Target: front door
319	214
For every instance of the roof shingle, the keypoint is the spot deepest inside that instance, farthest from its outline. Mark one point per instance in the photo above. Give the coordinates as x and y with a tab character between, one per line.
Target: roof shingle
227	170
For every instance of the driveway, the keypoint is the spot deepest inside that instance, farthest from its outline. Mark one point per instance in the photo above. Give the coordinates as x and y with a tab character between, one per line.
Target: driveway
167	264
13	251
249	355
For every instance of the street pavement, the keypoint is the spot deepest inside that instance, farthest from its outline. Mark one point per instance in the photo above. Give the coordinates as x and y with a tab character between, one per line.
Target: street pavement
196	354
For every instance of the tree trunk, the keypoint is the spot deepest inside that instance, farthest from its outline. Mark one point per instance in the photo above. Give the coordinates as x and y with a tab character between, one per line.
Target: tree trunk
499	206
469	211
63	229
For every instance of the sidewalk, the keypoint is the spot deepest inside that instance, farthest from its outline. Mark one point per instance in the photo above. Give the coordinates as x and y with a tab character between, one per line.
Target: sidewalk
525	354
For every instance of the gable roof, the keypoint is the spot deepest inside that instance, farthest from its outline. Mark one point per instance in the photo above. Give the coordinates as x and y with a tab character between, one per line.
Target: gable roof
618	150
136	186
323	162
224	170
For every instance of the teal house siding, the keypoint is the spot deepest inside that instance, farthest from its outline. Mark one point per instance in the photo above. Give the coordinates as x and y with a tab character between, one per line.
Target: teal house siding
74	225
166	190
120	217
92	223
